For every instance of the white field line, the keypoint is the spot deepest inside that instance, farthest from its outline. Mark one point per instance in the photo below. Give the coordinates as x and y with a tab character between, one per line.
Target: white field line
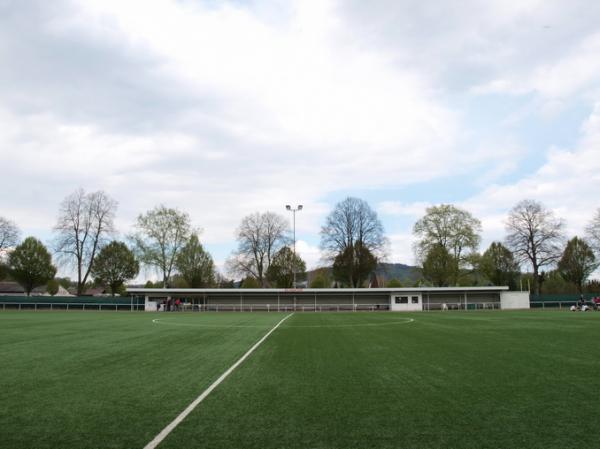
171	426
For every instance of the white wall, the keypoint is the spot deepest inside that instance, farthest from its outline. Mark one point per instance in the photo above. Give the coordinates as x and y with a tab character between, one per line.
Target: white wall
150	306
406	307
514	300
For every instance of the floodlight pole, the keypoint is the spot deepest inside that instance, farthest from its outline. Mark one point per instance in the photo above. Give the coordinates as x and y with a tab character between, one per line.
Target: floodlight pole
298	208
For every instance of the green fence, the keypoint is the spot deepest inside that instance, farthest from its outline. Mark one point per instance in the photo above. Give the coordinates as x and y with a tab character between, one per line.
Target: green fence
559	301
102	303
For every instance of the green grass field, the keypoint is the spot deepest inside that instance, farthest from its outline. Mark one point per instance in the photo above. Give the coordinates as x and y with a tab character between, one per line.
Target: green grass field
341	380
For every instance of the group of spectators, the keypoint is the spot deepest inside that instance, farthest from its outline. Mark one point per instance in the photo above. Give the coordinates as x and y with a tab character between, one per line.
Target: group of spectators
582	305
170	305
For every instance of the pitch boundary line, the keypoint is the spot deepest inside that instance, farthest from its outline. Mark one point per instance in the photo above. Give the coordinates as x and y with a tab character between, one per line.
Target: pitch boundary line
171	426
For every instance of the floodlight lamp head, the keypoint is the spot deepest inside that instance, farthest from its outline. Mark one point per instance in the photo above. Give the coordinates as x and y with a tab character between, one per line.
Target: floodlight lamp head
299	206
288	207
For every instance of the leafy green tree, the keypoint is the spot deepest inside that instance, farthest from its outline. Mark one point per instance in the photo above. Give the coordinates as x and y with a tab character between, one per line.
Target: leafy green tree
283	266
319	281
321	278
353	239
250	282
3	271
195	264
394	283
115	264
178	281
535	237
554	283
30	264
160	235
452	228
499	265
439	266
577	262
52	287
65	282
354	265
121	290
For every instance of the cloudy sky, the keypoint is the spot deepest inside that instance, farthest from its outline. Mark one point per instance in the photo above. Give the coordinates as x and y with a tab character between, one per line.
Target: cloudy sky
226	108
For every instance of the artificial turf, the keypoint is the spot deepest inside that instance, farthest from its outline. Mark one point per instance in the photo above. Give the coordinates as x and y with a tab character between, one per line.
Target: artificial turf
108	380
341	380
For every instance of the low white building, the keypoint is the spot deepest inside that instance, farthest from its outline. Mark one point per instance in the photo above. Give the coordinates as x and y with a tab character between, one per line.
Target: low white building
334	299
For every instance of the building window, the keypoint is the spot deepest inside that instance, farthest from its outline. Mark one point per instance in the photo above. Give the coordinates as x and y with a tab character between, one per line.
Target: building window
401	299
415	300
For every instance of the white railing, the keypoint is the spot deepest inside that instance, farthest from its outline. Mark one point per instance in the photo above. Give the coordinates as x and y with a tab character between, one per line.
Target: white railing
283	307
461	306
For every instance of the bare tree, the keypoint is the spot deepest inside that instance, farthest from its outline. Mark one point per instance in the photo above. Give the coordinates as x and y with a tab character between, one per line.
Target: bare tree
535	236
9	234
592	232
351	228
161	233
85	221
259	237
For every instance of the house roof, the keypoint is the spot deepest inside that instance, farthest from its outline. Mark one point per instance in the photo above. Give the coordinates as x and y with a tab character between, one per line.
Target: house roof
13	288
183	291
95	291
10	287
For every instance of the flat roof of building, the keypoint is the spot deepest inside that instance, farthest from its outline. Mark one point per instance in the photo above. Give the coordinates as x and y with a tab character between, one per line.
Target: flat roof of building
188	291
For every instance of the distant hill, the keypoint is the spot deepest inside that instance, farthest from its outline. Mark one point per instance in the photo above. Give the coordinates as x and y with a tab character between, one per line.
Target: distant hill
406	274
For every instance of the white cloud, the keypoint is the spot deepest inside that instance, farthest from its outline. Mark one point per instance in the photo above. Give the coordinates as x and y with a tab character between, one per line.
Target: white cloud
401	248
222	109
263	112
567	182
398	208
309	253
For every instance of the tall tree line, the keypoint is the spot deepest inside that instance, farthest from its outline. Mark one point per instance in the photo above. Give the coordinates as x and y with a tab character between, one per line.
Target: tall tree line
353	242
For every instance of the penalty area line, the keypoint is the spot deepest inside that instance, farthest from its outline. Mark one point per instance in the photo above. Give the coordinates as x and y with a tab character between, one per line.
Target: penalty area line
171	426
